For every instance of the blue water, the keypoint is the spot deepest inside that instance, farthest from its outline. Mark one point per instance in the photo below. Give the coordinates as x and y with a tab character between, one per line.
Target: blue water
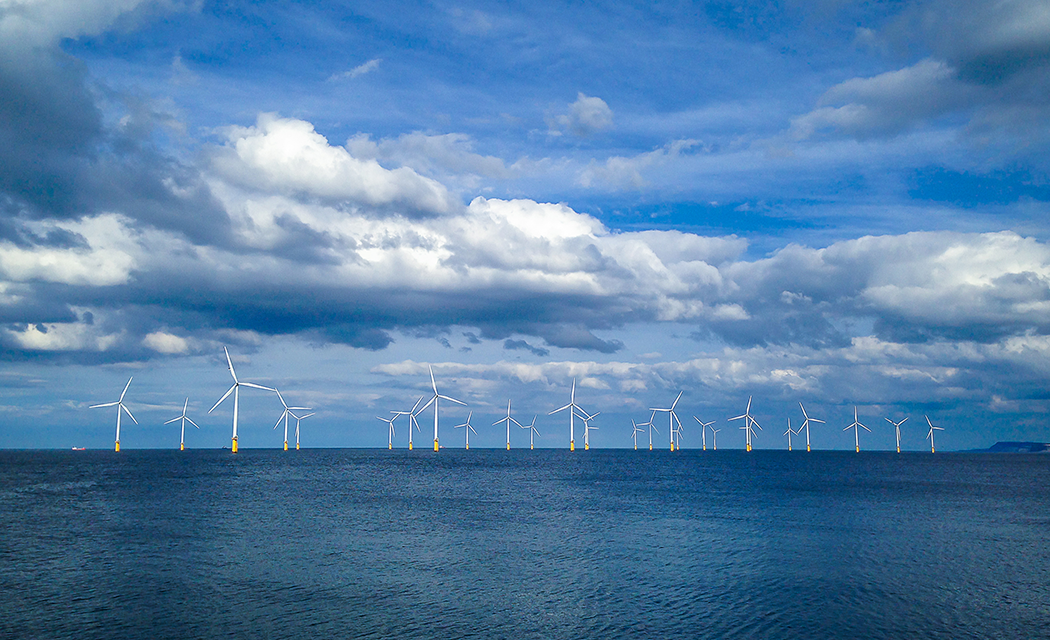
523	544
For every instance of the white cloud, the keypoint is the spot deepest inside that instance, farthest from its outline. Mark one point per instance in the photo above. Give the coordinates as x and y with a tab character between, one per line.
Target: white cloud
108	259
357	71
166	343
587	116
620	172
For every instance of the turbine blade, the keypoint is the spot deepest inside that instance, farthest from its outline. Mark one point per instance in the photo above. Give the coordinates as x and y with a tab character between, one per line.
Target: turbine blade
125	389
453	400
257	386
279	419
281	397
230	362
550	414
192	422
432	382
224	396
121	405
174	420
676	400
96	406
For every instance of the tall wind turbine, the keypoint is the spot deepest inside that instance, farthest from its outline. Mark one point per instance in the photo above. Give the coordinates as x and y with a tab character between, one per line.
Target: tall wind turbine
805	424
467	429
288	412
298	419
856	426
120	406
184	418
929	435
790	433
652	427
748	422
532	433
508	420
634	434
573	408
897	429
437	396
411	419
236	391
587	429
672	417
703	431
390	432
714	438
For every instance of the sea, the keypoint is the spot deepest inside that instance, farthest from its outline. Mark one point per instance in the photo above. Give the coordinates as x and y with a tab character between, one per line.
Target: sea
355	543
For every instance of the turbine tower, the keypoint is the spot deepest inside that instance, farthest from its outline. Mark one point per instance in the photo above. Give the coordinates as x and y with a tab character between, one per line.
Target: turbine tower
790	433
703	431
236	391
856	426
749	430
184	418
714	438
573	408
634	434
587	429
437	396
929	435
672	417
508	420
805	424
411	419
468	429
120	406
298	419
652	428
532	433
897	429
390	432
284	416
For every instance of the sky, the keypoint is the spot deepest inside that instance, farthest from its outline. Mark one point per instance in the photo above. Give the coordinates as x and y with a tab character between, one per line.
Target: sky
843	204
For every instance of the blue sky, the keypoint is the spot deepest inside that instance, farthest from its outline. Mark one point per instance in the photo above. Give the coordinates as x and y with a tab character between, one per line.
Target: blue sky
835	203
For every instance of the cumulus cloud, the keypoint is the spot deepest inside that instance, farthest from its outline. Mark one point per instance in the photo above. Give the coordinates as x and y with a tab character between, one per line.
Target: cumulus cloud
587	116
445	156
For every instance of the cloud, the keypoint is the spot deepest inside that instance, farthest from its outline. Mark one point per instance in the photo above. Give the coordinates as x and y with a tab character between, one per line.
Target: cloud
522	345
587	116
620	172
444	156
357	71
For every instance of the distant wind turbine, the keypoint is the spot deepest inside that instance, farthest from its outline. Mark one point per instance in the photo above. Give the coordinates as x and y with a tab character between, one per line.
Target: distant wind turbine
508	420
236	391
652	428
714	438
634	434
532	433
748	422
573	408
298	419
284	416
390	431
120	406
411	419
703	431
856	426
467	429
587	429
672	417
805	424
790	433
897	429
437	396
185	419
929	435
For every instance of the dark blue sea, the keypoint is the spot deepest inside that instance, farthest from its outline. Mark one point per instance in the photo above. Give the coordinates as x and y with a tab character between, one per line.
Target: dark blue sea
523	544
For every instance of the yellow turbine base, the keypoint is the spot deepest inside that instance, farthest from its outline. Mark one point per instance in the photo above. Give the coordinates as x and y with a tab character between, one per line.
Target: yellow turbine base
789	447
468	446
390	446
409	446
858	449
116	446
572	445
807	447
586	446
508	446
532	447
435	444
932	450
672	446
296	446
285	445
749	447
182	446
898	449
650	447
635	447
705	447
233	447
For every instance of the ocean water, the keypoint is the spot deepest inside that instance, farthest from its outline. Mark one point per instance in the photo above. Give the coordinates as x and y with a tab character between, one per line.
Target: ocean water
523	544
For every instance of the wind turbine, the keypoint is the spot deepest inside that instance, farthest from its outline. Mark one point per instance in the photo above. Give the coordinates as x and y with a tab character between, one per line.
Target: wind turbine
930	434
468	428
437	396
651	429
703	431
236	391
587	429
120	406
748	421
897	428
714	438
672	417
790	433
284	416
390	432
411	419
805	424
573	408
508	420
184	418
297	420
678	437
634	434
856	426
532	433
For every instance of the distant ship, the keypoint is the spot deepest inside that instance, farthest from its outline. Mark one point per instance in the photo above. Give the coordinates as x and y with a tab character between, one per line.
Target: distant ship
79	448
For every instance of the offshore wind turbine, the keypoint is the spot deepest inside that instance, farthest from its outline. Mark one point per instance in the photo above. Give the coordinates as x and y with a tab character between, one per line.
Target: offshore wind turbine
184	418
929	435
587	429
390	432
284	416
805	424
790	433
897	429
236	391
651	428
634	434
437	396
672	417
532	433
120	406
748	422
856	426
297	420
703	431
468	429
573	408
714	438
411	419
508	420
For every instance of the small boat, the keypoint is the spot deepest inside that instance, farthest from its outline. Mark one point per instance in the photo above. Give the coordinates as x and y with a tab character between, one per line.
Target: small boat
79	448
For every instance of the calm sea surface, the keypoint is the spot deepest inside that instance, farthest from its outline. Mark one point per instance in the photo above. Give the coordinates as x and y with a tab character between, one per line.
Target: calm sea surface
523	544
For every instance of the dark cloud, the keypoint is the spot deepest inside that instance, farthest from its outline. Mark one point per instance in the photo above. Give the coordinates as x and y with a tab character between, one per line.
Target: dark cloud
522	345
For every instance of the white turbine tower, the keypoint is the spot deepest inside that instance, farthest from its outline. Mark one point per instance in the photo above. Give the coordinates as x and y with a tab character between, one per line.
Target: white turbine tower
284	416
652	427
587	429
856	426
748	422
573	408
508	420
714	438
120	407
634	434
468	428
236	391
929	435
411	419
390	431
185	419
437	396
805	424
897	429
790	433
532	433
298	419
672	417
703	431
